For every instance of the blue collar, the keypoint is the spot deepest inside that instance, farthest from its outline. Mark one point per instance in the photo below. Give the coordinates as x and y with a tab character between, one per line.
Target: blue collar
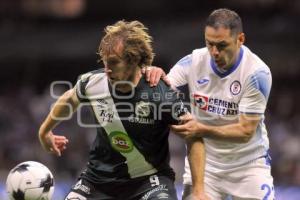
236	64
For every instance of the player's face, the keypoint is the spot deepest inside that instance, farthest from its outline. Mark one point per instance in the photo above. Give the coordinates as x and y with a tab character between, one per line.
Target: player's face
223	46
117	69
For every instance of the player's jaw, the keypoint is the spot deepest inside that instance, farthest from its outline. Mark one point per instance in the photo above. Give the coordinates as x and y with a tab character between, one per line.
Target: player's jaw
124	80
221	63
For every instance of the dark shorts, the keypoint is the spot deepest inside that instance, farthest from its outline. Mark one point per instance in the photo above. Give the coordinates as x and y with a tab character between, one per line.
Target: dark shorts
153	187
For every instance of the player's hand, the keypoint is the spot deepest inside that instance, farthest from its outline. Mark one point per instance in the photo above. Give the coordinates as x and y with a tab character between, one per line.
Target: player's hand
154	74
188	127
185	118
53	143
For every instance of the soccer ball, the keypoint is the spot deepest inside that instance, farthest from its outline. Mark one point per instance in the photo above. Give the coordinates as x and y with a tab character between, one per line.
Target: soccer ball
30	181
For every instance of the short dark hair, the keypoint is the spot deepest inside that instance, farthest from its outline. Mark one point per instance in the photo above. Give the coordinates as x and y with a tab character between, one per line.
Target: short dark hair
225	18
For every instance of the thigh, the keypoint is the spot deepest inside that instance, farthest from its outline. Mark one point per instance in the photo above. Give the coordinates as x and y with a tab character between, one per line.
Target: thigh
256	189
154	187
211	187
84	190
255	183
210	192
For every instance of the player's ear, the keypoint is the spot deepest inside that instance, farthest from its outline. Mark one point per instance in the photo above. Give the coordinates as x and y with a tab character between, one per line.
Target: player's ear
241	39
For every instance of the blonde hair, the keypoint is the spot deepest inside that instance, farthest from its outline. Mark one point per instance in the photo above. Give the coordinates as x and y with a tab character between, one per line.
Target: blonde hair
135	40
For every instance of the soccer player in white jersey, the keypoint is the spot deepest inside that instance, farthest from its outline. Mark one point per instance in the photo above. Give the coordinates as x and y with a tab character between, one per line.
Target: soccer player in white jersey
229	88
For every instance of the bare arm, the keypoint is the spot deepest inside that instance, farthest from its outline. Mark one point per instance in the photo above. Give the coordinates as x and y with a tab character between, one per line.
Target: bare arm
239	132
196	157
64	107
242	131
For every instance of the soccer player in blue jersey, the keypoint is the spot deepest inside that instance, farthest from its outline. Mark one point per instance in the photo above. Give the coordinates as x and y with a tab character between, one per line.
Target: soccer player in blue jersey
129	158
229	87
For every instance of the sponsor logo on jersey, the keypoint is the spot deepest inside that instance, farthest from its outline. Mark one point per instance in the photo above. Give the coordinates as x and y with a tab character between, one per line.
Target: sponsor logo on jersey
142	109
121	142
142	114
200	101
215	105
140	120
235	87
105	113
202	81
102	102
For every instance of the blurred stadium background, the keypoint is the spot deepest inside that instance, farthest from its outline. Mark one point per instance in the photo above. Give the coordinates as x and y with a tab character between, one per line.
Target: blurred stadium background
42	41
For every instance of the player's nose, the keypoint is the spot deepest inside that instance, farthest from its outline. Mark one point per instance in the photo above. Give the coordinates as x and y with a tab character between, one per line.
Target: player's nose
107	70
214	51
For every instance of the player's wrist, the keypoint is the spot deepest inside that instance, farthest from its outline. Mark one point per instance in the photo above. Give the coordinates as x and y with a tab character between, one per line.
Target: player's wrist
198	193
198	187
44	130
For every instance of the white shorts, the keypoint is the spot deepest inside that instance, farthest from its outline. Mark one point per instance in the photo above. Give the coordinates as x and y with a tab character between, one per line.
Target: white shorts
250	182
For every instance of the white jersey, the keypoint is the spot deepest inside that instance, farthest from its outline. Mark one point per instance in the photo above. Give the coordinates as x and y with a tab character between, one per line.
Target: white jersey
218	97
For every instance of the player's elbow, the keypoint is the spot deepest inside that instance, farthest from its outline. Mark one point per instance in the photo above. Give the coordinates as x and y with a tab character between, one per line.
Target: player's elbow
246	138
70	98
42	131
248	132
248	125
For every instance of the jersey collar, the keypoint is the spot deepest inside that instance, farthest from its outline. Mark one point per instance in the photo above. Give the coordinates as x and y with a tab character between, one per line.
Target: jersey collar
226	73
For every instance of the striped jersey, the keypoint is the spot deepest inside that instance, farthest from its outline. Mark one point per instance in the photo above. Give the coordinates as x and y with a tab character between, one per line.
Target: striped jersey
132	131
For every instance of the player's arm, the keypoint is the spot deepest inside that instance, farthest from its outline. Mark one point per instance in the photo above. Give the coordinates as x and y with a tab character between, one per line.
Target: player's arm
173	109
242	131
238	132
254	101
64	107
196	158
251	107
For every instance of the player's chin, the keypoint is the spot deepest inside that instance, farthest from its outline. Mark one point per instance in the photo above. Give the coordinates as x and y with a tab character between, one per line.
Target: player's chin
221	65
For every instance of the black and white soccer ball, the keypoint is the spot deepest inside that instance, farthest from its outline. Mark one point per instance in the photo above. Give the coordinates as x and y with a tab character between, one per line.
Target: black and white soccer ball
30	181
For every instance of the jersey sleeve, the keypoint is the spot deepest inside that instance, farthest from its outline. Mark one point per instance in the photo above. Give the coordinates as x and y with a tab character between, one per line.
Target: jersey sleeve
256	94
172	106
178	74
80	87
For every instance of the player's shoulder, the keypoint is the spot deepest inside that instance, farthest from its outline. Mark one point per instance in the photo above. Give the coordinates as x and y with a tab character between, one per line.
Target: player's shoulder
164	89
162	84
91	80
200	52
258	73
91	75
195	56
160	87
